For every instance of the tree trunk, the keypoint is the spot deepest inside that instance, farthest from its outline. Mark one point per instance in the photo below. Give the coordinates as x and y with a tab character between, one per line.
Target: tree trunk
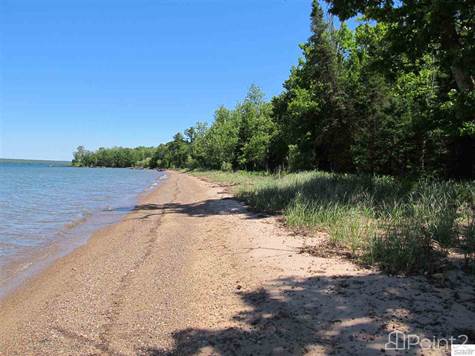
463	80
450	42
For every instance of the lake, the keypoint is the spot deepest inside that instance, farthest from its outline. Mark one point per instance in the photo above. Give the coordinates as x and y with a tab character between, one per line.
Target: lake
47	209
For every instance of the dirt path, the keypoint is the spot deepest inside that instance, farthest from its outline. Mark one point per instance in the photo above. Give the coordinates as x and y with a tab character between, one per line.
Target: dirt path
192	271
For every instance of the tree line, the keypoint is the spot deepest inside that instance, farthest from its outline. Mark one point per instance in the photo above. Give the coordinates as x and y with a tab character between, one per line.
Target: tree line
393	96
117	157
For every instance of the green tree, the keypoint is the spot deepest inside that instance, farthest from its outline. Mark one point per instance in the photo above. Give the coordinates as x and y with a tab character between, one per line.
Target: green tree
256	130
314	111
444	32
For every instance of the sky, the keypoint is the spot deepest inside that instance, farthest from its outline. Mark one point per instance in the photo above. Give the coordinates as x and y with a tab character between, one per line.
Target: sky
134	72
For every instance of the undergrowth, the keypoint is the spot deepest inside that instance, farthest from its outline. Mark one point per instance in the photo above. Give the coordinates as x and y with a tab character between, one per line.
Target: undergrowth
402	226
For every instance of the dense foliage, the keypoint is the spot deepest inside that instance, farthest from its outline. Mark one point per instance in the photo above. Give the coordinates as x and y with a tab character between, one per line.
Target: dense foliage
394	96
118	157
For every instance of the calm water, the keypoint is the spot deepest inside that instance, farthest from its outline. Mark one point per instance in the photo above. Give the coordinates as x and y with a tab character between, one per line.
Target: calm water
42	205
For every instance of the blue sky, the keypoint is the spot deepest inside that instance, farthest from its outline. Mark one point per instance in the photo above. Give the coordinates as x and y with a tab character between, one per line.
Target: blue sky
134	72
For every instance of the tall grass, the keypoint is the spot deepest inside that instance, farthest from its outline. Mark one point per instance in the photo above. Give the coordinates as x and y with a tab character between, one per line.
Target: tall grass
402	226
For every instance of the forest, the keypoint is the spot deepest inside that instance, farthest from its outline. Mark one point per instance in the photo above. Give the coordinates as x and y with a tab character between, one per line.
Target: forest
380	123
394	97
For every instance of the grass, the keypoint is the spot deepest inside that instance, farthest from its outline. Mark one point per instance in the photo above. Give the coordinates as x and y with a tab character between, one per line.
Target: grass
401	226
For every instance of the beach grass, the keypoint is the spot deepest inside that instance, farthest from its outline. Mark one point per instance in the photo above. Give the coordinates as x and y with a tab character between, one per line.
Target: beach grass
402	226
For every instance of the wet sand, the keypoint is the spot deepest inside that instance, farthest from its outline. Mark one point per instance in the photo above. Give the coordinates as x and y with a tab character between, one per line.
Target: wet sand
192	271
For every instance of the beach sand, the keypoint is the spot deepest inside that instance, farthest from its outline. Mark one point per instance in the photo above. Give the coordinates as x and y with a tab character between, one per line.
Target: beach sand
192	271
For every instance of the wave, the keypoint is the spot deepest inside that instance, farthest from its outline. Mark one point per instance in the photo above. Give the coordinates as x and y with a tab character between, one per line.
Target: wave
78	221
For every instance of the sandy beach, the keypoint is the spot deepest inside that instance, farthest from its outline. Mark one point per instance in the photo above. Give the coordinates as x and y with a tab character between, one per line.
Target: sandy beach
192	271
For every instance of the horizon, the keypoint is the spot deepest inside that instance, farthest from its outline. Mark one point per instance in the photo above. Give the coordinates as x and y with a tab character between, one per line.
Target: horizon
97	75
32	160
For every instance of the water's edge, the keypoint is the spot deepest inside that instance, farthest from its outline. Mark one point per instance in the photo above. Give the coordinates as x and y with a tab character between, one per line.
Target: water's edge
24	267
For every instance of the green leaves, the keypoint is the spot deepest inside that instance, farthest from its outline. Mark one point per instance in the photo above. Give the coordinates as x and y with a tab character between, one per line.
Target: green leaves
118	157
393	96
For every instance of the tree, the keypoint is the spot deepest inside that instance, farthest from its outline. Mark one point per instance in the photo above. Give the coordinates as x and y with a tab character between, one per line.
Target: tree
415	26
255	131
79	156
221	139
443	31
314	111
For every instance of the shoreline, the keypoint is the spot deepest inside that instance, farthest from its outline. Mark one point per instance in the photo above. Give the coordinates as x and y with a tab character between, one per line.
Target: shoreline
192	271
24	267
27	300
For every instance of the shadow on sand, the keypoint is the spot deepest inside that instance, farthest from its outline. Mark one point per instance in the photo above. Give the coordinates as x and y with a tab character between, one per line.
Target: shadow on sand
209	207
324	315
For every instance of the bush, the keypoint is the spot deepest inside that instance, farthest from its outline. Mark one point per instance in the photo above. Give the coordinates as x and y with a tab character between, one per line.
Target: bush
226	167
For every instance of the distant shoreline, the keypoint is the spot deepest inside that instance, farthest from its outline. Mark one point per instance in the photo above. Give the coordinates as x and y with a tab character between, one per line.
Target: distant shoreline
35	161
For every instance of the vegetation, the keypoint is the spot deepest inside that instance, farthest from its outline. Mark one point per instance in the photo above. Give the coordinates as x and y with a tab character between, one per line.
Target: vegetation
394	97
401	226
386	109
5	161
117	157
